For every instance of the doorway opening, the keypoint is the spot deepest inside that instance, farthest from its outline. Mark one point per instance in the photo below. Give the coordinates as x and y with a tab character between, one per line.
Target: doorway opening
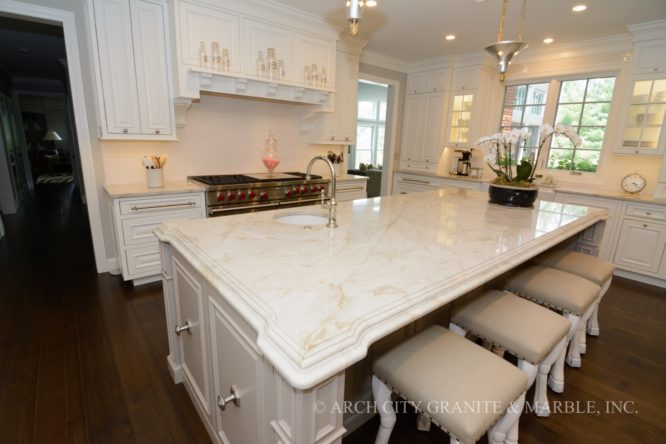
373	153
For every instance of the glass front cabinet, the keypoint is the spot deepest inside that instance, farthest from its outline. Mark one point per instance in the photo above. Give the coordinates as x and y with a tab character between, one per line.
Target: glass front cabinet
645	108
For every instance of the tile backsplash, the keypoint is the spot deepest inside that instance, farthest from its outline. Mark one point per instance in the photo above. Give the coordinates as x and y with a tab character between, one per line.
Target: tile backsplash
223	135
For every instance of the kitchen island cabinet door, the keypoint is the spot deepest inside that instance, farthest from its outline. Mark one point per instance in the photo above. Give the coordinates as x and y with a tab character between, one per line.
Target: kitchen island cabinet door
191	332
238	367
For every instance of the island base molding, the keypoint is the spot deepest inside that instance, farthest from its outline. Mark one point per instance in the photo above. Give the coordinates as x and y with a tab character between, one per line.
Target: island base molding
212	349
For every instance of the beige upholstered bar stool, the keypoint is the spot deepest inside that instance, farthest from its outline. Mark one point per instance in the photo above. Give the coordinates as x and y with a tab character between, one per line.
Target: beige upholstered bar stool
465	389
589	267
567	293
534	334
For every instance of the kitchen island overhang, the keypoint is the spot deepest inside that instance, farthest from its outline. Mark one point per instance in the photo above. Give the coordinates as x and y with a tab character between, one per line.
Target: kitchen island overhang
316	297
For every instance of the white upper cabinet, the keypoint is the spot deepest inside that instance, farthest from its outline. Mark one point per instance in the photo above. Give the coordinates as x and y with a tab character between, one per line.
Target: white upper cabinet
148	25
199	24
119	97
644	116
259	36
246	29
309	50
132	69
427	81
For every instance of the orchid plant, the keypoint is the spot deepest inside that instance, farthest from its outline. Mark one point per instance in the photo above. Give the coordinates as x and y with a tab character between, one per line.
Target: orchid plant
503	153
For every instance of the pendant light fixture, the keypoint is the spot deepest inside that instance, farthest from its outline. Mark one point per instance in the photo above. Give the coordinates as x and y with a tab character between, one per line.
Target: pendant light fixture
505	50
355	12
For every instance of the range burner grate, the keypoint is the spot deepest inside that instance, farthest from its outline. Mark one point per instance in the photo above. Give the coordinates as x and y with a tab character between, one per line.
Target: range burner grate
224	179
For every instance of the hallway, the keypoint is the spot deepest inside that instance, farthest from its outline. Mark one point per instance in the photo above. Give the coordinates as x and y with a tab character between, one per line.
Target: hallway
82	356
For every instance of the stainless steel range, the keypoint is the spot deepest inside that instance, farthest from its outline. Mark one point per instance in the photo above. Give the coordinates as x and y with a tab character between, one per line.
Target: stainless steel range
242	193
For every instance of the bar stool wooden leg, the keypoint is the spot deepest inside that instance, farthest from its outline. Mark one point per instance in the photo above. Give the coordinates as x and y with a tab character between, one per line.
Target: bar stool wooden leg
573	355
593	323
382	396
556	378
505	429
541	406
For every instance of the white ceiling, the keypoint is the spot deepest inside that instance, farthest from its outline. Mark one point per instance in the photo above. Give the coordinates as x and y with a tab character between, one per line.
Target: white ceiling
414	29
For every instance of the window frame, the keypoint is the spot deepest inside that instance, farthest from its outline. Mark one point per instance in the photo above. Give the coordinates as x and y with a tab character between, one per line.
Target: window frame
550	112
375	124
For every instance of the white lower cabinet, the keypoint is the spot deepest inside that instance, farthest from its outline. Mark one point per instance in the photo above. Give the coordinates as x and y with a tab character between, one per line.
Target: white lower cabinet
135	218
190	329
238	394
404	183
641	245
351	189
239	372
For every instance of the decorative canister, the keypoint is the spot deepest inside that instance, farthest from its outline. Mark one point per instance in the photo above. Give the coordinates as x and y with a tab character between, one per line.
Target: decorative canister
155	177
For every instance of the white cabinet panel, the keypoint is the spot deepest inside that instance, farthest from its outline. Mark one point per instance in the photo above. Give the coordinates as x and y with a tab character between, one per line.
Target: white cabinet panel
432	147
192	338
205	24
119	95
237	364
259	36
427	81
143	260
414	127
641	245
148	31
309	49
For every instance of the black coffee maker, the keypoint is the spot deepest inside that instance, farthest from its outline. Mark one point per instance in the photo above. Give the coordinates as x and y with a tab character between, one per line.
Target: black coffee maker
464	166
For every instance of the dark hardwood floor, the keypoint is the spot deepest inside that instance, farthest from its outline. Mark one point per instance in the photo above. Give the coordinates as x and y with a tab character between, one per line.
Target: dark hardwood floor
82	355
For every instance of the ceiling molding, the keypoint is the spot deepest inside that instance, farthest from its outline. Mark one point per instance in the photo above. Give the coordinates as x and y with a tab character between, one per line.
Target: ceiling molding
648	31
612	44
384	61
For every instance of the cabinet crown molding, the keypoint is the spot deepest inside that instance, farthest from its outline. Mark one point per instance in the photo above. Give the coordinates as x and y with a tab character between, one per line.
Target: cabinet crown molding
648	31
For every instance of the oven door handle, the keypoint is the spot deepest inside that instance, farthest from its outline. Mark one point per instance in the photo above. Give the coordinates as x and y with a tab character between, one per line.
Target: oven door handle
212	211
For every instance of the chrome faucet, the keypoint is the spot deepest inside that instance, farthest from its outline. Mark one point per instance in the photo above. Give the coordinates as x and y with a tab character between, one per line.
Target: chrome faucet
331	204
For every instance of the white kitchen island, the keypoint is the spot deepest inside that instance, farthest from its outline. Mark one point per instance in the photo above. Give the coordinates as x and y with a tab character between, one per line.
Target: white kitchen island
279	311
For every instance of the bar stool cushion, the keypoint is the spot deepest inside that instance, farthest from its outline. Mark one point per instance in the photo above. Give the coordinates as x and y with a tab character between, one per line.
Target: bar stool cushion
586	266
438	366
519	326
554	288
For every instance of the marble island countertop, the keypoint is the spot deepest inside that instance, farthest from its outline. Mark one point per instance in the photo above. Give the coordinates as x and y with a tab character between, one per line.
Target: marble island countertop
318	297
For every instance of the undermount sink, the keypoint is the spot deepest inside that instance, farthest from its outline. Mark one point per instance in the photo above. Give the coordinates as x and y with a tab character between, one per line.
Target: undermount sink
302	219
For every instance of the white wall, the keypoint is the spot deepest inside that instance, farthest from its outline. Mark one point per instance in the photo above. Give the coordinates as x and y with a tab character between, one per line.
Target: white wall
223	135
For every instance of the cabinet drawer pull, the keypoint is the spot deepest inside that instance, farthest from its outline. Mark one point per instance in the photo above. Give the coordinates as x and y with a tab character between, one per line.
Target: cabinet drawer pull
125	130
406	179
234	397
187	327
152	207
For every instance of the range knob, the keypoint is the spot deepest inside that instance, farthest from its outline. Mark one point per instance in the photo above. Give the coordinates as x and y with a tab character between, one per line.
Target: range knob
313	189
231	196
322	187
288	193
221	197
263	195
253	194
304	190
242	195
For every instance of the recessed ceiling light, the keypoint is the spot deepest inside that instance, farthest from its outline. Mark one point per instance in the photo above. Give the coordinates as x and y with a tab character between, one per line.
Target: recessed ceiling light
548	40
371	3
579	8
450	37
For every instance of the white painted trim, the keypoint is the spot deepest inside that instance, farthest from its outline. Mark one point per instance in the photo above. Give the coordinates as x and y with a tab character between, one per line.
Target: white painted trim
387	169
648	30
68	22
617	43
384	61
640	278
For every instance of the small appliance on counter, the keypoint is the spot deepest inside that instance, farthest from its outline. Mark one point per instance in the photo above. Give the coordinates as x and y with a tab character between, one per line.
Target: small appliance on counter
463	163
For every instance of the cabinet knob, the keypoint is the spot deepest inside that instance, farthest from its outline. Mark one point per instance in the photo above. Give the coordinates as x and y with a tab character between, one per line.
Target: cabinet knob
125	130
187	327
645	225
332	137
157	131
347	138
234	397
648	213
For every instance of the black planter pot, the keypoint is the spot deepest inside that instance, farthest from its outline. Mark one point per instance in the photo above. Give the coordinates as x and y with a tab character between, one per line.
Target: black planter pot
512	196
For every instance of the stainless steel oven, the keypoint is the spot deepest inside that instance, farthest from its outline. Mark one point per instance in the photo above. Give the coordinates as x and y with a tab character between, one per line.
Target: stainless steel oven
243	193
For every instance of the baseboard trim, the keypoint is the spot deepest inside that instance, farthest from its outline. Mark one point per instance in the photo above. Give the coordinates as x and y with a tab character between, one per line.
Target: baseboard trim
641	278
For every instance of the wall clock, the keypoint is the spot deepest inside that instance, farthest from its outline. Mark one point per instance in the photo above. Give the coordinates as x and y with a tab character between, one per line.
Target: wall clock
633	183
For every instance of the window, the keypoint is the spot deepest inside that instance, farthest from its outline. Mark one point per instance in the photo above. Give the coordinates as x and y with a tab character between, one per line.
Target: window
584	105
525	107
370	129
